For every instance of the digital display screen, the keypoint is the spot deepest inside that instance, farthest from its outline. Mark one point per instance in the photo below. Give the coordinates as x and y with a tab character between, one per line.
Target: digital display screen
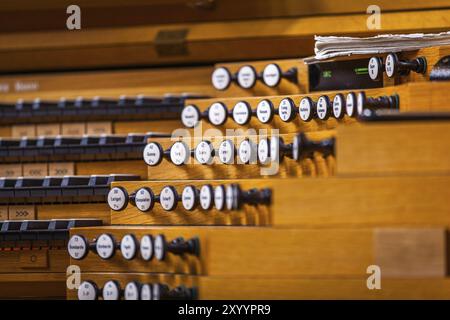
341	75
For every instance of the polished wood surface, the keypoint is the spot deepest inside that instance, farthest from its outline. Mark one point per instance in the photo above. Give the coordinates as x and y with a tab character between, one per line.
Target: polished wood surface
245	40
29	16
75	210
33	285
311	253
34	260
402	148
279	288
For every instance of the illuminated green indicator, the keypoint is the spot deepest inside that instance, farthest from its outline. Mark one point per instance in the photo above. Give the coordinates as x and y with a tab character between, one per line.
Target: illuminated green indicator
327	74
362	71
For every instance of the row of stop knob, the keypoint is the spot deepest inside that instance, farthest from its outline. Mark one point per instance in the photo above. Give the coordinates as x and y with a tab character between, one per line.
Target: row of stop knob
247	76
147	247
351	105
221	197
134	290
267	150
393	66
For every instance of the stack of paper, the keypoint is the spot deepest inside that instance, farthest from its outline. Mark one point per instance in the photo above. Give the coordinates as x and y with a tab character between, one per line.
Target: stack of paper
330	47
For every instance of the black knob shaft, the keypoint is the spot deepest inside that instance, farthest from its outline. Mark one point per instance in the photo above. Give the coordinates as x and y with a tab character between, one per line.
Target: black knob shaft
178	246
304	147
383	102
236	197
394	65
278	149
180	293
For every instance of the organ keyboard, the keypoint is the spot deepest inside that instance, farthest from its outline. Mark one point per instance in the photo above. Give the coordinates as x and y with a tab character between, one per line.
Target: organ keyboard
218	159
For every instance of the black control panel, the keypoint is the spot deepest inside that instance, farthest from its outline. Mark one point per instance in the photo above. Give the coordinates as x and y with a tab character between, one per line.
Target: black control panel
341	75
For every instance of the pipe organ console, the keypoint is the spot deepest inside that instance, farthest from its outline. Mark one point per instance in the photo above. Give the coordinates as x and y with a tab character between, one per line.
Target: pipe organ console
218	159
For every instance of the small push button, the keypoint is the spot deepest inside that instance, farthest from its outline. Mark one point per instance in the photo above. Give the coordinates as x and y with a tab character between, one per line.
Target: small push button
247	151
146	247
144	199
323	108
242	113
190	116
78	247
376	68
339	106
153	154
219	197
226	152
204	152
180	153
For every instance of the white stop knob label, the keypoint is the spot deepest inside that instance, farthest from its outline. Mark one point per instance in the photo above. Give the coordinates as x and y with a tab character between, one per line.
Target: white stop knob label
272	75
128	247
242	113
152	154
117	199
190	116
105	246
77	247
246	77
265	111
226	152
221	78
217	114
179	153
168	198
